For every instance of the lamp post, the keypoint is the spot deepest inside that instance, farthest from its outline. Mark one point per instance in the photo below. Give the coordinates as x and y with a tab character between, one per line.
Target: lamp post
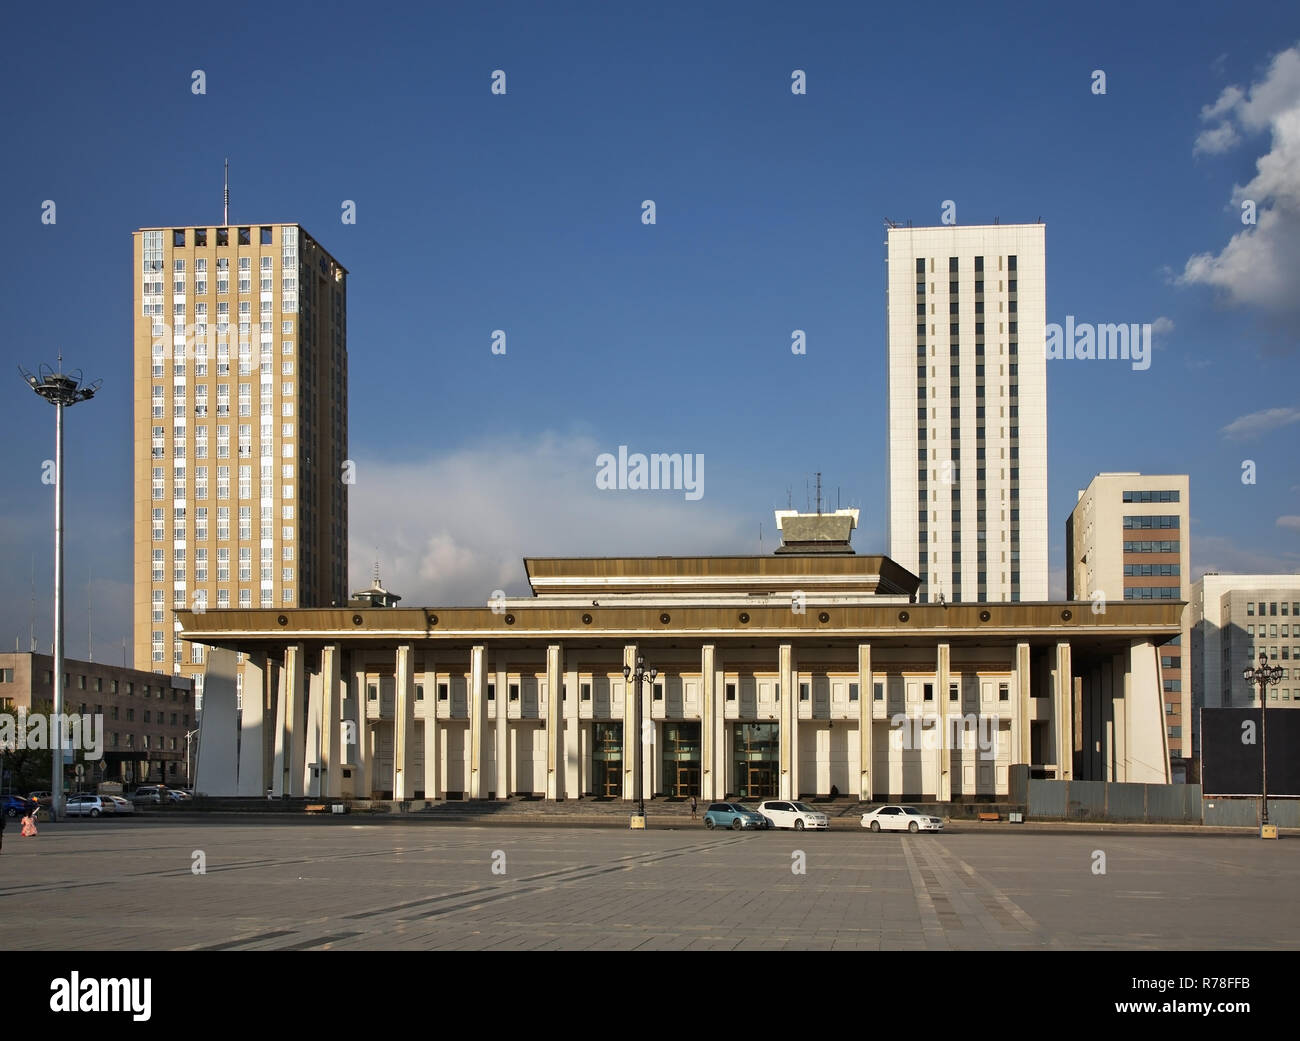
189	777
1265	675
639	674
60	389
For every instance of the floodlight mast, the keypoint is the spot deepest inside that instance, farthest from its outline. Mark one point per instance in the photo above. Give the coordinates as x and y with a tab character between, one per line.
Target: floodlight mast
61	389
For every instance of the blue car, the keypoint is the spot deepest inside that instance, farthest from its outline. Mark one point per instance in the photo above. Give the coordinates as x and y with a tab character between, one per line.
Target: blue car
734	816
17	806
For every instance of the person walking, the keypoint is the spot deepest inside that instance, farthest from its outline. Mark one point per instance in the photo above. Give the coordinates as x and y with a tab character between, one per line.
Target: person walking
694	807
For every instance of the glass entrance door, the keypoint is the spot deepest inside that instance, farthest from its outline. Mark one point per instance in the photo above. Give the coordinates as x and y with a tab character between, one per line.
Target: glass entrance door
681	760
757	759
607	760
607	781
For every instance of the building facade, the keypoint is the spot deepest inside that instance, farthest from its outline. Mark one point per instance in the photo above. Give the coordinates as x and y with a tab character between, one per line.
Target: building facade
240	428
1128	536
968	410
1235	619
788	675
146	716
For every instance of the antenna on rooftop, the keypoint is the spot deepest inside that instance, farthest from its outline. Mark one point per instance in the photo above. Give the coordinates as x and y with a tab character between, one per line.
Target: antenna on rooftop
225	212
819	491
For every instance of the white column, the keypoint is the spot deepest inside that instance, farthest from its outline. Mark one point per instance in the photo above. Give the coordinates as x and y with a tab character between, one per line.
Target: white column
502	786
478	784
404	723
944	735
866	708
554	720
312	738
1146	744
631	727
572	783
253	729
1023	680
722	760
789	717
331	762
360	752
290	740
431	757
710	761
216	771
1063	712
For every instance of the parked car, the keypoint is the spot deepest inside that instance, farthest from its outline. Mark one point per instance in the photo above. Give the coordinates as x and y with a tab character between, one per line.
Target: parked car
900	818
176	795
150	793
86	806
797	815
733	815
120	805
17	806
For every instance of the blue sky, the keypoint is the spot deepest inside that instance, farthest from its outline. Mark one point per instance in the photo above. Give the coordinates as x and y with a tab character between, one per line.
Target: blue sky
522	212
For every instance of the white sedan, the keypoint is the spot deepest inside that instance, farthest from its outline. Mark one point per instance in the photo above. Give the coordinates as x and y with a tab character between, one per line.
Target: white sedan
901	818
788	814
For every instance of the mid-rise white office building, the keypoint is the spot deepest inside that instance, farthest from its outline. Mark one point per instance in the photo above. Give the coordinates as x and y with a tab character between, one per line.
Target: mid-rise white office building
1234	619
1128	537
968	410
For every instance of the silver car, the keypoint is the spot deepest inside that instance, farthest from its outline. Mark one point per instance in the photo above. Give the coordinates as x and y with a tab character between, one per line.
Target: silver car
86	806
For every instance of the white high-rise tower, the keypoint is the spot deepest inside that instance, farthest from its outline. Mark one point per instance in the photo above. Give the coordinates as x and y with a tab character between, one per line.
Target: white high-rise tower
968	410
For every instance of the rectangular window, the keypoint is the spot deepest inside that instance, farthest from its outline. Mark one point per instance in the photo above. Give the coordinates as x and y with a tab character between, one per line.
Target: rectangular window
731	692
1004	691
805	691
514	692
853	692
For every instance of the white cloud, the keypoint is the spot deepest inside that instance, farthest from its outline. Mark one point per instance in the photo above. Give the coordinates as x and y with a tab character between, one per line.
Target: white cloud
1219	553
1228	100
452	528
1161	329
1255	423
1260	265
1216	140
1291	521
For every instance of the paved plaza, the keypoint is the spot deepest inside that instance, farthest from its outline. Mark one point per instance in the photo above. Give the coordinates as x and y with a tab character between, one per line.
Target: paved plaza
332	884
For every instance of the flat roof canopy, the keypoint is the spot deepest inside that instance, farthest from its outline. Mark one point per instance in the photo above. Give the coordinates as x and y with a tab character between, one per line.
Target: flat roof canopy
994	624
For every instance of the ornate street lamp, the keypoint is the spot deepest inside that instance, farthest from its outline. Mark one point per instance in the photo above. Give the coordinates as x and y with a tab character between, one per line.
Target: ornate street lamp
640	673
60	389
1265	675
